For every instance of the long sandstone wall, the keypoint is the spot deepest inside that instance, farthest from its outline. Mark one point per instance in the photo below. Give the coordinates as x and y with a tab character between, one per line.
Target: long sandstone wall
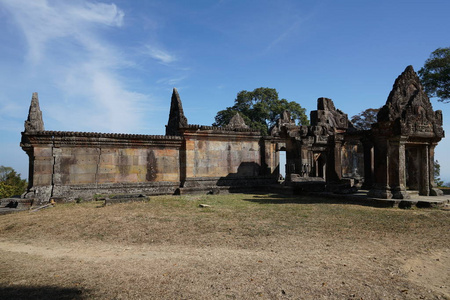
69	164
221	157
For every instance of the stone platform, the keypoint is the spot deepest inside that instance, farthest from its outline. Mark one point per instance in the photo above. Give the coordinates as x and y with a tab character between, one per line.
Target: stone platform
361	197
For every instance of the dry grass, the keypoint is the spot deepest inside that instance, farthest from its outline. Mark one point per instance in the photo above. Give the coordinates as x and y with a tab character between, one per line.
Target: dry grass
242	247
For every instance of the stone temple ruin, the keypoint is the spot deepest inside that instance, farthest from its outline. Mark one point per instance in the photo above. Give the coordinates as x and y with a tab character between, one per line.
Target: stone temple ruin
394	156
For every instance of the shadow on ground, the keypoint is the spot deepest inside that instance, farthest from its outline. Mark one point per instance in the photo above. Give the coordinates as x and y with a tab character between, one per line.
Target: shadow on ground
40	292
312	199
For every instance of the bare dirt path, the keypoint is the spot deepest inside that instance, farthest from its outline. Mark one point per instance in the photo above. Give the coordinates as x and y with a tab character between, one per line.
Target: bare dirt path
176	272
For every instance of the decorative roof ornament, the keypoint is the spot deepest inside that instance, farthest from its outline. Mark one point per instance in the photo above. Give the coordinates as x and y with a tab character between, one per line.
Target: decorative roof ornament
177	119
34	122
237	122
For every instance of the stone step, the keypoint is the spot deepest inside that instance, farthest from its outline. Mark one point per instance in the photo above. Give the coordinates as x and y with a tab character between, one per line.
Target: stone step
413	192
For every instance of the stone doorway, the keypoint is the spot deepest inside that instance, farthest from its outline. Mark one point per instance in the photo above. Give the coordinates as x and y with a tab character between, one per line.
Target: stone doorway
282	163
320	165
417	169
413	166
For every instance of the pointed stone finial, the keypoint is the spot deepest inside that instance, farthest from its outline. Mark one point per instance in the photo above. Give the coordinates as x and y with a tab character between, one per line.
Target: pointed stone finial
34	121
237	122
176	115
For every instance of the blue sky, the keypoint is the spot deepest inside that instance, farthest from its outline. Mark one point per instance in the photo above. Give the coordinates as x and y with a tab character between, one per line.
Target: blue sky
111	66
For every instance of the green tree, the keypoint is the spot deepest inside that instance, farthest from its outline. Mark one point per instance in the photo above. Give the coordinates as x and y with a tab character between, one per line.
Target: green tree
10	183
435	75
260	109
365	119
437	173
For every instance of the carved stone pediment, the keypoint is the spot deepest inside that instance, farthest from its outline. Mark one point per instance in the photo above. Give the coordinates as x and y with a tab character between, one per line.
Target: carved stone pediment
410	109
327	115
285	121
237	122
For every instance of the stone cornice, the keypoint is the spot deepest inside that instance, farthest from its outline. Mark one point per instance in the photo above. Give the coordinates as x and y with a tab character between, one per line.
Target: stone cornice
219	129
96	139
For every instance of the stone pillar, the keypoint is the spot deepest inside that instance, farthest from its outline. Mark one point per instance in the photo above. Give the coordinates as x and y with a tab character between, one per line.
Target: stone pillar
272	158
434	191
397	176
380	187
338	142
334	169
424	180
368	164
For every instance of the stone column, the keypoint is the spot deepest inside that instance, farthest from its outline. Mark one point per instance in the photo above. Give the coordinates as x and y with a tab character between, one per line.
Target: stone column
425	170
334	162
434	191
397	170
380	187
368	164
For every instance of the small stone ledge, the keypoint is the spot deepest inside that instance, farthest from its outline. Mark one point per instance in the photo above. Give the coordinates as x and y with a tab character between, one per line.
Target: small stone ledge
11	205
16	203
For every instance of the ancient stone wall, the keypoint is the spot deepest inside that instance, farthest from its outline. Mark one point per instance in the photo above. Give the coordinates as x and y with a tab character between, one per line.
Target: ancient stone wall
222	157
73	164
395	155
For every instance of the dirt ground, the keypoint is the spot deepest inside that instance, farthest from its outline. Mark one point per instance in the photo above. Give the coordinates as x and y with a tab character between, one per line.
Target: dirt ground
242	247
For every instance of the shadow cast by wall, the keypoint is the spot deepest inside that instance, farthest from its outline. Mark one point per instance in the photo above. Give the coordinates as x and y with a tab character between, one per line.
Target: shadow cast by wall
317	199
40	292
248	178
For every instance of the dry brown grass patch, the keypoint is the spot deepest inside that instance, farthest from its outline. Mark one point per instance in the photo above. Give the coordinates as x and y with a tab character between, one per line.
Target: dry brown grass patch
242	246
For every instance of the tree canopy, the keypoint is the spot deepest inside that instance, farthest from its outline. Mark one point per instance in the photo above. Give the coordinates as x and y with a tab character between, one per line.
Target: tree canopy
365	119
10	183
435	74
260	109
437	173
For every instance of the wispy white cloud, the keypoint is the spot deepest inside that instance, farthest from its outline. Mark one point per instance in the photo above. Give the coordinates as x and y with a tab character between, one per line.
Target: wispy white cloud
285	34
43	22
159	54
101	13
66	44
170	81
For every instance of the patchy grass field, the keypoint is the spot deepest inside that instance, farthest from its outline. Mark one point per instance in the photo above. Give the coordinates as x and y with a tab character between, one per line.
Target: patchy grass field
242	247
